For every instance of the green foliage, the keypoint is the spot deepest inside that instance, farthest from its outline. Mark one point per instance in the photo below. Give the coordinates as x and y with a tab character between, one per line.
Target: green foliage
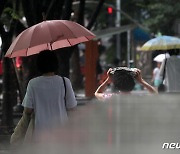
7	16
157	15
161	15
11	12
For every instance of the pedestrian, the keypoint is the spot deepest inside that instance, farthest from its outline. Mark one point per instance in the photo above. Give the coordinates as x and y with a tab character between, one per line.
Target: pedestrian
156	77
48	96
170	71
123	80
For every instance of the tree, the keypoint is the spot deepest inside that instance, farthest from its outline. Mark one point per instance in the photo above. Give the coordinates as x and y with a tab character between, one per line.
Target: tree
32	10
161	16
6	32
157	16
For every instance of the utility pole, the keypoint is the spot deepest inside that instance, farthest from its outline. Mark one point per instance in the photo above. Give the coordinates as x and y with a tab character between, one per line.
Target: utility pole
128	47
118	56
118	24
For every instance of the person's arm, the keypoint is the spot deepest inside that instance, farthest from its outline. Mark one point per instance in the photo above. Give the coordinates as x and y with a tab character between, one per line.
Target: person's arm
28	100
153	75
139	78
28	110
71	102
99	92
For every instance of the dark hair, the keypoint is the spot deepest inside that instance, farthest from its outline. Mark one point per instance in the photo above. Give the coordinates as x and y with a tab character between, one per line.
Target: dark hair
173	52
123	80
47	61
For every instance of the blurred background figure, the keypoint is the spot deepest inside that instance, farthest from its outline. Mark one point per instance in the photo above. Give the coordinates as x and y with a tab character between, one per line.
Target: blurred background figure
1	72
170	71
123	80
156	78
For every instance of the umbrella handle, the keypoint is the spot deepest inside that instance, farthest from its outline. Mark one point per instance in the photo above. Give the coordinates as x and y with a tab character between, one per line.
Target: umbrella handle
49	46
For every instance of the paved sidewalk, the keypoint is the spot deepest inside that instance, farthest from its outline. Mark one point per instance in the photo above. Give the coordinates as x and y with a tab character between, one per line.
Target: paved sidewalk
5	136
126	124
4	144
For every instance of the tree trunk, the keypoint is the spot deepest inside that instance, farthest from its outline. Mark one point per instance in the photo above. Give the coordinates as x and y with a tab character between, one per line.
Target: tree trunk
95	14
81	9
68	7
9	80
9	87
9	94
76	76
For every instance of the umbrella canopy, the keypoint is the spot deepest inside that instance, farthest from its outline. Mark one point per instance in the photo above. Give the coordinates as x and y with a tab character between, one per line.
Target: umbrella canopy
48	35
162	43
161	57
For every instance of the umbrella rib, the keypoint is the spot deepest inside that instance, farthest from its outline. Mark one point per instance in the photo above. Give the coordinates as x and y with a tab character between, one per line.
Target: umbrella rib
27	51
69	42
34	27
49	32
86	37
51	46
33	34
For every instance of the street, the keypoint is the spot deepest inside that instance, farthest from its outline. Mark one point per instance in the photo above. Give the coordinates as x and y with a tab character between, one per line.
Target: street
127	124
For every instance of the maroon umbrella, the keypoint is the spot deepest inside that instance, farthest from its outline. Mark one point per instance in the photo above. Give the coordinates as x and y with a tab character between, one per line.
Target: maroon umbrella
48	35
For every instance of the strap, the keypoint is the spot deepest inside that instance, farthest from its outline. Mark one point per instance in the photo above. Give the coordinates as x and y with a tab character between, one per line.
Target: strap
65	91
164	71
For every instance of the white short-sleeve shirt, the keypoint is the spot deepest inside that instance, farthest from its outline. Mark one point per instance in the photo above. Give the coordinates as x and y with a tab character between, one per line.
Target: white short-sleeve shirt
156	73
45	94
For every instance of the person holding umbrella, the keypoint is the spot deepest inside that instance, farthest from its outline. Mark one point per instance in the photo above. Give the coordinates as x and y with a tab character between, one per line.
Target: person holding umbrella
49	96
170	71
170	66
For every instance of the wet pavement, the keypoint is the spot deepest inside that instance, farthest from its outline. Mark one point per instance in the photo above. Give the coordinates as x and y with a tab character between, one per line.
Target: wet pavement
126	124
4	144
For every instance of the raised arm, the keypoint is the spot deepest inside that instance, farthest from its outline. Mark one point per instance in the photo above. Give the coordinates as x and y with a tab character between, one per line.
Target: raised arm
99	92
139	78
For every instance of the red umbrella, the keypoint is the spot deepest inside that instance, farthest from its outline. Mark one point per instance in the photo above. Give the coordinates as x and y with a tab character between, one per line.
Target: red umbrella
48	35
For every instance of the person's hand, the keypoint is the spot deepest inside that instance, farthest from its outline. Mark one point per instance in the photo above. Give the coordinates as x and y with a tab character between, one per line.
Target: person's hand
139	79
108	74
138	75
